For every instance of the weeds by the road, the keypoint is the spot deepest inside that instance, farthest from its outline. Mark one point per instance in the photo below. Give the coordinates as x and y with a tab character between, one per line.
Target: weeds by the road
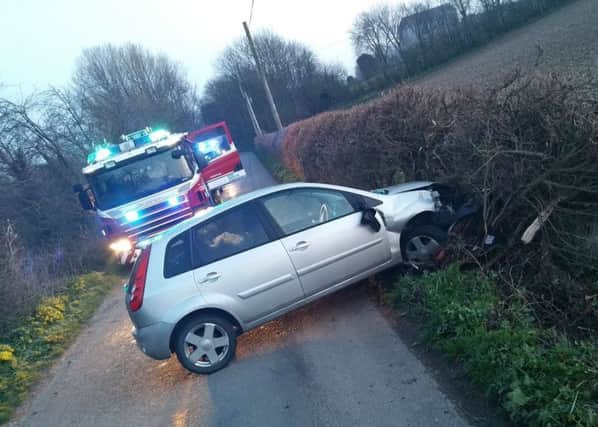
539	376
280	172
29	346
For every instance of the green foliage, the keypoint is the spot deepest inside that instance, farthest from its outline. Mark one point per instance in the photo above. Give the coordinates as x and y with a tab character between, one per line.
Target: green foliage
540	377
279	171
29	346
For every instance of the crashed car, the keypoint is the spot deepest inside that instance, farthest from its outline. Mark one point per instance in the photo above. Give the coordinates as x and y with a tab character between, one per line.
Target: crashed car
200	284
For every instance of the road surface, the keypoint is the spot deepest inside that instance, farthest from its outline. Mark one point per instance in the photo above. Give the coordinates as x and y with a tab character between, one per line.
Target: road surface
336	362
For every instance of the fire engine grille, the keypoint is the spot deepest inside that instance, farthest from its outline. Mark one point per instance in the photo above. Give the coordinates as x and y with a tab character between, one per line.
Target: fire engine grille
157	218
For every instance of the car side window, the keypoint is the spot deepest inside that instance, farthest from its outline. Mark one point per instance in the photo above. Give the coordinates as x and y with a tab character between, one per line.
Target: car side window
228	234
177	259
297	210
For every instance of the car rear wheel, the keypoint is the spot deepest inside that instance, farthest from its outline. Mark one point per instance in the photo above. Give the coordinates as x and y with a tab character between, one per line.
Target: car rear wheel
423	243
205	343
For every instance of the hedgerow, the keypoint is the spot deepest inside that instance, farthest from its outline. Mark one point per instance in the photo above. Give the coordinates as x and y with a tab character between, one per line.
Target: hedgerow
527	149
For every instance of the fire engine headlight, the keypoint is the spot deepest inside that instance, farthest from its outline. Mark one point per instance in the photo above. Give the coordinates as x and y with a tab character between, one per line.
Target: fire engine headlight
132	216
173	201
121	245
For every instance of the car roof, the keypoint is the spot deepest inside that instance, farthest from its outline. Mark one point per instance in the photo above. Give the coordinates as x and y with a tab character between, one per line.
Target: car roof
247	197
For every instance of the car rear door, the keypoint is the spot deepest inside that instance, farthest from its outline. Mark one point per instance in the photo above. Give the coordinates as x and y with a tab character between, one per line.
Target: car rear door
322	233
241	267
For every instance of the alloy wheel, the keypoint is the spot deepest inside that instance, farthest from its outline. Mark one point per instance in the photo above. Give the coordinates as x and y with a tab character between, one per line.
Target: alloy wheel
206	344
422	248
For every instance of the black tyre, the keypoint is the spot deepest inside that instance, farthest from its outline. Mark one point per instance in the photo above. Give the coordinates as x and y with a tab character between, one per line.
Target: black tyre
205	343
216	196
423	243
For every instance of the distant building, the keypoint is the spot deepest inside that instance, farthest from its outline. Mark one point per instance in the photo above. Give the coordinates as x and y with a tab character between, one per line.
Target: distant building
422	27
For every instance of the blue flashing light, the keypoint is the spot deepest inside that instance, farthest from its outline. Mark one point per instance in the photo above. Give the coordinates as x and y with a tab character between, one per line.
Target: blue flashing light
173	201
158	135
132	216
102	154
209	145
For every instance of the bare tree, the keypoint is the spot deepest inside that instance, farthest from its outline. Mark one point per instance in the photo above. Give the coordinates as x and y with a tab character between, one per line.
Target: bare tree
463	7
378	32
494	9
370	34
124	88
32	132
300	83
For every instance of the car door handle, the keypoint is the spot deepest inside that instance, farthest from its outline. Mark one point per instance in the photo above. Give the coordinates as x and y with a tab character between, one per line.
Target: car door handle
300	246
210	277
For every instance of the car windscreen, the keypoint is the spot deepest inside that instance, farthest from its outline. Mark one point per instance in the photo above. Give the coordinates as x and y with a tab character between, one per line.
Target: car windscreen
137	178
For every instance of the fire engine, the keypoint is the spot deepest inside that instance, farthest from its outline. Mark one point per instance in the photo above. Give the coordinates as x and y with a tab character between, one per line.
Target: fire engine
154	179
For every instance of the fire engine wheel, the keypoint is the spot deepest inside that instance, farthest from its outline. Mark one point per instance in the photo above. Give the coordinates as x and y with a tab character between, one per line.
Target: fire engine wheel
205	343
216	196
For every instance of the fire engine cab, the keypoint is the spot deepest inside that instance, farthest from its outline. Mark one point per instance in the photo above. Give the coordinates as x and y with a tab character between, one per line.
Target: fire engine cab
154	179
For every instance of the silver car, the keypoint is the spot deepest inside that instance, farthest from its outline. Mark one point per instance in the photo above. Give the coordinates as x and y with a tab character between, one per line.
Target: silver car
197	286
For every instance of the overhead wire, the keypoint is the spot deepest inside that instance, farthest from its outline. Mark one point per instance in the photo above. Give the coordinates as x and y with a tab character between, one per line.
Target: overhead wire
251	11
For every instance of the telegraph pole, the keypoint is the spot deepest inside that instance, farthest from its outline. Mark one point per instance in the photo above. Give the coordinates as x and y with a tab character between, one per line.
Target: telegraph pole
262	75
252	116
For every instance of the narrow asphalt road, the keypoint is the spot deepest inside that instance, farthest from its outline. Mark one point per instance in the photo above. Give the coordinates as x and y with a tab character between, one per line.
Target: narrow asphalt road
336	362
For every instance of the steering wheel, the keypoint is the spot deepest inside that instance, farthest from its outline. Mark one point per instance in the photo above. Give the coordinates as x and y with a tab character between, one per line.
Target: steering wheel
324	216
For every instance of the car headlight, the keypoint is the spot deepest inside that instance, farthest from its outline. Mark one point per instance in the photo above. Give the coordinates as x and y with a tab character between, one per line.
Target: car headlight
121	245
436	199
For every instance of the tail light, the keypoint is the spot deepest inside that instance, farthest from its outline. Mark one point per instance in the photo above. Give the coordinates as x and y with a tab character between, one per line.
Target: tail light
138	277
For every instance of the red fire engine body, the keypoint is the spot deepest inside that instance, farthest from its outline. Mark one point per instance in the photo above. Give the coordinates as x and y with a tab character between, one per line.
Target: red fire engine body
155	179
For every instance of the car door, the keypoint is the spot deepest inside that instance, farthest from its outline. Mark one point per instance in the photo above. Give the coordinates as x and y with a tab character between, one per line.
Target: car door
241	267
322	233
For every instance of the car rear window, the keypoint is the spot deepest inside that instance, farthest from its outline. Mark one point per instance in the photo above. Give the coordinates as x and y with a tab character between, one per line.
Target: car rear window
228	234
177	259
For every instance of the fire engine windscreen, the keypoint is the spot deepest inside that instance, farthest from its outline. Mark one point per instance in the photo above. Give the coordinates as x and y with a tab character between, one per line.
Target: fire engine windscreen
139	177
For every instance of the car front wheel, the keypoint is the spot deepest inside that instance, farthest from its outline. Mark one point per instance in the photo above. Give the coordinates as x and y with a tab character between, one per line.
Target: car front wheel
205	343
423	243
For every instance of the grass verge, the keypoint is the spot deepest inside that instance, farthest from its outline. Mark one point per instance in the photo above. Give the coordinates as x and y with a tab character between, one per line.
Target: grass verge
540	377
28	347
281	174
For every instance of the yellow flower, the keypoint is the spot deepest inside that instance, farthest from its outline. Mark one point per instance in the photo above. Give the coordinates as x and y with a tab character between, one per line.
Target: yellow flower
80	285
51	309
54	338
6	356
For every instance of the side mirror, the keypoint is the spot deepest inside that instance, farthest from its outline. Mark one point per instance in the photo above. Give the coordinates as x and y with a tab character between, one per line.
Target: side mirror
77	188
85	201
177	153
369	218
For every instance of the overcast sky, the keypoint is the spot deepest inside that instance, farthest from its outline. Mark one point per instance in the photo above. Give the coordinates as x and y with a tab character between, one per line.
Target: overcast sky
40	39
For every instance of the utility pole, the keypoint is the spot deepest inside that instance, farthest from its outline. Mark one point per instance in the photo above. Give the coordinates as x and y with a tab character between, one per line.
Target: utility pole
260	71
252	116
